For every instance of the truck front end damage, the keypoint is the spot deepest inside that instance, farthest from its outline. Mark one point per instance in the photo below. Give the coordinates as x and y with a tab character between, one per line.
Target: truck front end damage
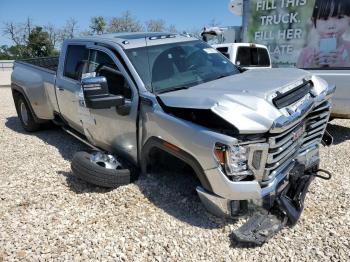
274	173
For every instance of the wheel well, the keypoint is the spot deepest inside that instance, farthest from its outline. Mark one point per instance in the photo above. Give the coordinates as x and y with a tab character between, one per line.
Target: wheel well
16	93
160	159
154	149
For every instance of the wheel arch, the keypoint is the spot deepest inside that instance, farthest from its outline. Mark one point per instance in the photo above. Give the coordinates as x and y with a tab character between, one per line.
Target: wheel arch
162	145
19	91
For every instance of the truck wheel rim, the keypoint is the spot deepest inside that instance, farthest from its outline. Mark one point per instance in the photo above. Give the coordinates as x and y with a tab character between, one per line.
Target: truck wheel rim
24	113
105	160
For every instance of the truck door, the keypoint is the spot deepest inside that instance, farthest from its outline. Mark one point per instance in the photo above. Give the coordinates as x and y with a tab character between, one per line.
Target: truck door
68	85
113	129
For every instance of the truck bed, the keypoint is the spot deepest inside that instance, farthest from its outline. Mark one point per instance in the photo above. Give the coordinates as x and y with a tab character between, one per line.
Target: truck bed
49	63
35	78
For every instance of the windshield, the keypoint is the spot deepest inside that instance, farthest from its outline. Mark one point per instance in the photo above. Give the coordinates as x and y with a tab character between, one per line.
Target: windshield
169	67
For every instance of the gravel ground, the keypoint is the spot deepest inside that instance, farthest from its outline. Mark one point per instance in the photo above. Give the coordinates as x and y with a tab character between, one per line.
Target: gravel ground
48	214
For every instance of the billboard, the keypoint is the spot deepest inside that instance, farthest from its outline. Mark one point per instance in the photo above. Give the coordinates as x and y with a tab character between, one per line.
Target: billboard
301	33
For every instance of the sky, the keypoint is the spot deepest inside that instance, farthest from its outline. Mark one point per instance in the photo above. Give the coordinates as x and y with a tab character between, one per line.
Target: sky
185	15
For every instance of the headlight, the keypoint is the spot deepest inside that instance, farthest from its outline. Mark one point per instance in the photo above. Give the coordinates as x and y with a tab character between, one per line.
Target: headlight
233	160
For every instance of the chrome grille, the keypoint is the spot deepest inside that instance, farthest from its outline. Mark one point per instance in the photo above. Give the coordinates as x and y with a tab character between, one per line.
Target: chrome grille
316	123
285	146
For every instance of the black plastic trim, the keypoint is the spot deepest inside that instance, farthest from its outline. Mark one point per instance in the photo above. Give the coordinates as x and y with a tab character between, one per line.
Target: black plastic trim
285	99
146	101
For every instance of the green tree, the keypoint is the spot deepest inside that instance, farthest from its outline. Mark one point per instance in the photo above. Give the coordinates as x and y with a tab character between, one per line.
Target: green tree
98	25
39	43
4	53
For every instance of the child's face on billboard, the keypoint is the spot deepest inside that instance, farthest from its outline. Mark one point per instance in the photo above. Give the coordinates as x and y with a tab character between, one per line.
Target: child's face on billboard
332	26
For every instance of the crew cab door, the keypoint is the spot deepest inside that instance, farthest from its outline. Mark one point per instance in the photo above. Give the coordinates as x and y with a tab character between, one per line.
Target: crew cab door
68	85
114	128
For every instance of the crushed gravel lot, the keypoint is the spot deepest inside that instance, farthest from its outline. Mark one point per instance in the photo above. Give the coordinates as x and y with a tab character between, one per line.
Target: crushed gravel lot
48	214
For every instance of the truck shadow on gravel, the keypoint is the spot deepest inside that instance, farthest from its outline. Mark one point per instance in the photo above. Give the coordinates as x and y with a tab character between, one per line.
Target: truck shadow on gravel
340	133
172	191
52	135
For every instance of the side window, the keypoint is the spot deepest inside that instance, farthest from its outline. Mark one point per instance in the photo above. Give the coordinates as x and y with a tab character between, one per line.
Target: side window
76	61
103	65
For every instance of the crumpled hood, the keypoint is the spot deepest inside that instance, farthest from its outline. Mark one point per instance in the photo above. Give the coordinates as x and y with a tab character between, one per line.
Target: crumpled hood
242	100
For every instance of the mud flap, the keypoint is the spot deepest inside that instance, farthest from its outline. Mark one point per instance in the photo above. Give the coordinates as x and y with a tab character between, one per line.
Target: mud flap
287	209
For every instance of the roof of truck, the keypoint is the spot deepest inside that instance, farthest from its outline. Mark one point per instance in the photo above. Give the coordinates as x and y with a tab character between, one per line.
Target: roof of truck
137	39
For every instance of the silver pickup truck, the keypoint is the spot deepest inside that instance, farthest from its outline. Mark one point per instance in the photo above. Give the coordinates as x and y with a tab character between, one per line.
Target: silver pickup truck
251	137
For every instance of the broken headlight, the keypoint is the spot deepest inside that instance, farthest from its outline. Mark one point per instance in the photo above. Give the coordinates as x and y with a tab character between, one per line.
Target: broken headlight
234	161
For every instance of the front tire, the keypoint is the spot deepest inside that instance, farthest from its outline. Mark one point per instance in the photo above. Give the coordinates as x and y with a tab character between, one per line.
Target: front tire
25	114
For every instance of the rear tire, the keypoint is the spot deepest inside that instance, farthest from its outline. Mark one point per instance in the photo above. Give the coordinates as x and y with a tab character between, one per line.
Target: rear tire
93	173
25	114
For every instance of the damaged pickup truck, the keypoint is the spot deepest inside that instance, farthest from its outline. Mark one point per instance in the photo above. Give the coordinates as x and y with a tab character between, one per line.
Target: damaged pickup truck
251	137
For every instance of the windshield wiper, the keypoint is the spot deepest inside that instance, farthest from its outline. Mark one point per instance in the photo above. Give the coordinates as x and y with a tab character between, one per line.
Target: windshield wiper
173	89
222	76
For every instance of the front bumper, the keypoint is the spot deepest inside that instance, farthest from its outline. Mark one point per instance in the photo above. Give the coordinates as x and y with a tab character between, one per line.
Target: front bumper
227	196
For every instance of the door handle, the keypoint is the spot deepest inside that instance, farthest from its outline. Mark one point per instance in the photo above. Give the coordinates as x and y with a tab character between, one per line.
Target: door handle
60	89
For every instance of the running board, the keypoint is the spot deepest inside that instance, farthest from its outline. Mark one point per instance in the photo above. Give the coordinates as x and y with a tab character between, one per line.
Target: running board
79	137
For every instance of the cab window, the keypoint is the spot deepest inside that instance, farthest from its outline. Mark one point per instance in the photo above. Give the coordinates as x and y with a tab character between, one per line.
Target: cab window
76	61
252	57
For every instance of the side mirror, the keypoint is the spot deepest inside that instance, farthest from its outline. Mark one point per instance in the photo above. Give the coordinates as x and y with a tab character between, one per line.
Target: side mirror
96	93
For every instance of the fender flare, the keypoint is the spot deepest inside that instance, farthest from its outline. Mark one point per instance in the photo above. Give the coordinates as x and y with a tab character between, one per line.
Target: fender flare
16	88
155	142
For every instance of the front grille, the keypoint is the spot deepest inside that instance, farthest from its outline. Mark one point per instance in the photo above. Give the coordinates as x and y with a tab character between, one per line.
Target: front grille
285	146
316	123
290	97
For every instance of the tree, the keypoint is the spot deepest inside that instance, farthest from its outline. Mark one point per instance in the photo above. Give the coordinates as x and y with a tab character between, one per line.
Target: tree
98	25
69	30
54	34
39	43
4	53
125	23
172	29
30	40
19	33
155	25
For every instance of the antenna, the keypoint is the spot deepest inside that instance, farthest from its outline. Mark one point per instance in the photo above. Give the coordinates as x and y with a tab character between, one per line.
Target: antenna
236	7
